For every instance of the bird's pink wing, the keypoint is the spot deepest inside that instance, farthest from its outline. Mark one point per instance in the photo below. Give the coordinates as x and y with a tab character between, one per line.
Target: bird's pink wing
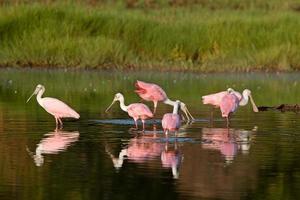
150	91
229	104
214	99
171	121
58	108
137	110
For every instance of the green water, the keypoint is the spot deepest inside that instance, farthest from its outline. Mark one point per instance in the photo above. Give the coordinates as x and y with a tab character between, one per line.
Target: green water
100	157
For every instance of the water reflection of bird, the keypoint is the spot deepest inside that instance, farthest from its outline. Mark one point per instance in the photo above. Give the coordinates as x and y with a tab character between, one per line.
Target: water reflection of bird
145	148
215	99
54	106
53	143
172	158
134	110
227	141
171	121
139	150
153	92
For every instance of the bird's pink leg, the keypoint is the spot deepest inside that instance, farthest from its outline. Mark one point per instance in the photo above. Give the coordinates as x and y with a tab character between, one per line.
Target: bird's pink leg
212	114
143	121
61	123
136	125
155	106
166	132
227	119
56	122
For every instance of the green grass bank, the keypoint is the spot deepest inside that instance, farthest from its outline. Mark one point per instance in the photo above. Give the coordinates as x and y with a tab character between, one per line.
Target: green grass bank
195	38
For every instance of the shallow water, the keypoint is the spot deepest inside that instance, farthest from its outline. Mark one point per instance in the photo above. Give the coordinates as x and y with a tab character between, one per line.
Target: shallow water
101	157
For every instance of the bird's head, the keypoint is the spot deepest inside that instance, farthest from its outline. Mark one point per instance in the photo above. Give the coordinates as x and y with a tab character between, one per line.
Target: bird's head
38	88
118	97
230	90
247	93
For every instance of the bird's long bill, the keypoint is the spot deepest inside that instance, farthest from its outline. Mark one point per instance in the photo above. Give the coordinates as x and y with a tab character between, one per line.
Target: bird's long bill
30	96
112	103
254	107
187	113
35	92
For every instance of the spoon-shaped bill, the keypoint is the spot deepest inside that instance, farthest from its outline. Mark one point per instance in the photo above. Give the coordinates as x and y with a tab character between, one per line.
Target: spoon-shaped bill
107	109
255	109
186	112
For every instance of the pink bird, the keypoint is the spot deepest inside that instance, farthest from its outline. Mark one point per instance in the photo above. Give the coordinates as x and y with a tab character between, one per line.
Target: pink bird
134	110
215	99
171	121
152	92
54	106
229	104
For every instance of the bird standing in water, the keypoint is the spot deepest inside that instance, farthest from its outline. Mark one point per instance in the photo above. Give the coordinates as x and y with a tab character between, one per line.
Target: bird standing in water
54	106
134	110
229	104
154	93
171	121
215	99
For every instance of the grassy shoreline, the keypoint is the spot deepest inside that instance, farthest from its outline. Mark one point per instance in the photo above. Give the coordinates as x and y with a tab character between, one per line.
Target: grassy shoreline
167	39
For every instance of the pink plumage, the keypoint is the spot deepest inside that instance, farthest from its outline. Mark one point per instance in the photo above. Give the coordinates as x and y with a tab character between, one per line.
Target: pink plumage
150	91
216	98
58	108
139	111
170	122
54	106
229	104
134	110
154	93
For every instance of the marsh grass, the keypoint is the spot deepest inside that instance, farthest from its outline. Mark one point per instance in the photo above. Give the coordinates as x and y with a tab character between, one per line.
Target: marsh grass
182	38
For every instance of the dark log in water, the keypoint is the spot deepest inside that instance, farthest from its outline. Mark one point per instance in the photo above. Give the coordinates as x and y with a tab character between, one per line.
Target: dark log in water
281	107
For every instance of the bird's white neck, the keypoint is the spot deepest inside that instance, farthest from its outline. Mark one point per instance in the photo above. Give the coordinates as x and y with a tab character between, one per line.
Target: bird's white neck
169	102
39	96
244	100
175	108
123	106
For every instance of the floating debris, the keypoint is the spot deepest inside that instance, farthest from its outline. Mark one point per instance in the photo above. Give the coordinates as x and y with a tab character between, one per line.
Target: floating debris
282	108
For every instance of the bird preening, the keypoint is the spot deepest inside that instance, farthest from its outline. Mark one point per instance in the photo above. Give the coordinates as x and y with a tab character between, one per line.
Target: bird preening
228	101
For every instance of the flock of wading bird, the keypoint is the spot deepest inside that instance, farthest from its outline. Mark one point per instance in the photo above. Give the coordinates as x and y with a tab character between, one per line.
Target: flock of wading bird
228	101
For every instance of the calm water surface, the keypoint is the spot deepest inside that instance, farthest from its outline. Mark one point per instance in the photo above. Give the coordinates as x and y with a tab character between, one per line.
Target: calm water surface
100	157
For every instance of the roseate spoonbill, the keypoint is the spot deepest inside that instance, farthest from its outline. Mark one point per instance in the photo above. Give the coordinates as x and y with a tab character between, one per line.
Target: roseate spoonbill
215	99
229	103
153	92
134	110
53	106
171	121
53	143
